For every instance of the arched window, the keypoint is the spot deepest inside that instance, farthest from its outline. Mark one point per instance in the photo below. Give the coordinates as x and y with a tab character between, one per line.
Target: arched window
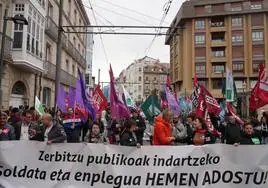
19	88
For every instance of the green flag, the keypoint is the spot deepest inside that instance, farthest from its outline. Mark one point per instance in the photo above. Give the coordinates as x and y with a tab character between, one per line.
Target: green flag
151	108
38	106
230	89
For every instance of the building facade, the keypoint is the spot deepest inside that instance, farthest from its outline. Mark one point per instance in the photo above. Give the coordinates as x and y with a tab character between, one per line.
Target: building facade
30	68
24	65
143	76
213	35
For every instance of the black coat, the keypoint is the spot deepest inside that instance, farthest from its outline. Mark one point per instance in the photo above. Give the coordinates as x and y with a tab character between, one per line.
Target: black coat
57	134
247	140
34	126
140	123
232	133
127	139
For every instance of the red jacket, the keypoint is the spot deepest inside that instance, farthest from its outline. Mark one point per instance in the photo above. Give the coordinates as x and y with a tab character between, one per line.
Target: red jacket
162	130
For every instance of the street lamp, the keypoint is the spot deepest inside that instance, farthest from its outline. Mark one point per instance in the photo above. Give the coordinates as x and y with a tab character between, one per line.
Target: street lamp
17	19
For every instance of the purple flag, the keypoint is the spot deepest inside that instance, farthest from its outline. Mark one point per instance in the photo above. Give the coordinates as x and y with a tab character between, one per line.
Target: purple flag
61	103
71	96
118	109
172	102
86	102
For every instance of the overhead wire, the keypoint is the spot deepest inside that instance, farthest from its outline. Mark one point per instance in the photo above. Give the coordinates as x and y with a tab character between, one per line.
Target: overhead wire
166	9
120	14
102	43
131	10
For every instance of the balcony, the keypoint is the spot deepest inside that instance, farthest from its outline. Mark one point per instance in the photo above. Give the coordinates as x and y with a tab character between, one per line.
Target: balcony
51	28
146	81
218	54
217	24
65	77
218	39
218	43
147	91
7	48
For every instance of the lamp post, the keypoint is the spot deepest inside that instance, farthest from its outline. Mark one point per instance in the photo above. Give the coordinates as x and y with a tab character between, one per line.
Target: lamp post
17	20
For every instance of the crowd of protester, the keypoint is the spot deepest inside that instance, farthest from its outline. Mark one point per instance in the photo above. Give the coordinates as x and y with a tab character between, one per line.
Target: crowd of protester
25	123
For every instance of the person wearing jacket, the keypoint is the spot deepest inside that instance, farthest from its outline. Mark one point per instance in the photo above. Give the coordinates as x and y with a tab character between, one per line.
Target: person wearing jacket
248	137
128	136
6	130
54	133
27	129
179	130
94	135
140	125
232	131
201	134
72	125
163	129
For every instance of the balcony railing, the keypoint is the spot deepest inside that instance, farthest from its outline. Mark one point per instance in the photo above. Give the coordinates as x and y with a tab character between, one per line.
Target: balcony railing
65	77
7	48
52	31
51	28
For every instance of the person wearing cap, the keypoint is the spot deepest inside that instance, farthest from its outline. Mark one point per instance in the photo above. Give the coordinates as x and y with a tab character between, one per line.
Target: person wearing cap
6	130
140	125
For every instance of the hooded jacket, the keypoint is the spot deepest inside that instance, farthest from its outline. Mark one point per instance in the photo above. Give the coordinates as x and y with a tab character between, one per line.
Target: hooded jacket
162	131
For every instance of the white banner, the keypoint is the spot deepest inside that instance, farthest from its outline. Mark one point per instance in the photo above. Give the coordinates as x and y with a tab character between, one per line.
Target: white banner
35	164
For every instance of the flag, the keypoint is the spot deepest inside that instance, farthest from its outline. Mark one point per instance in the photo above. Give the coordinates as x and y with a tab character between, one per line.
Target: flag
231	111
259	94
118	109
204	103
151	108
230	88
99	101
61	99
127	98
39	107
168	81
172	102
86	103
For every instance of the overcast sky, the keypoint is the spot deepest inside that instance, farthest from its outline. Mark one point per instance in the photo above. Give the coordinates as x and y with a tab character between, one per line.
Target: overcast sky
122	50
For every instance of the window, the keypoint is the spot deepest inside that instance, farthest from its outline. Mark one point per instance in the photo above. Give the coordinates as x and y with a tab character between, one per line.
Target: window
200	24
217	83
237	38
237	22
46	96
67	65
203	82
139	78
73	70
139	87
257	20
258	51
252	83
255	66
256	4
75	17
18	36
218	52
217	21
146	78
139	69
257	36
238	52
218	68
200	69
236	6
69	7
19	7
199	39
200	53
238	66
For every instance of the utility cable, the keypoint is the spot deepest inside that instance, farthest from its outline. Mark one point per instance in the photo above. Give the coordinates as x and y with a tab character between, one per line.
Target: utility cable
131	10
102	43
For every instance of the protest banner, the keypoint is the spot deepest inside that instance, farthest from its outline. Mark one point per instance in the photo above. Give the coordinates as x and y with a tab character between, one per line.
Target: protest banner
35	164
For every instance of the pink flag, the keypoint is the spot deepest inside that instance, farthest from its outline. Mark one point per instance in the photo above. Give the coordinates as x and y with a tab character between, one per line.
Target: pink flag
118	109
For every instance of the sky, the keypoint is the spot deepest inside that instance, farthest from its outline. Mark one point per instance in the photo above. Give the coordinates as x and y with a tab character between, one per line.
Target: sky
122	50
